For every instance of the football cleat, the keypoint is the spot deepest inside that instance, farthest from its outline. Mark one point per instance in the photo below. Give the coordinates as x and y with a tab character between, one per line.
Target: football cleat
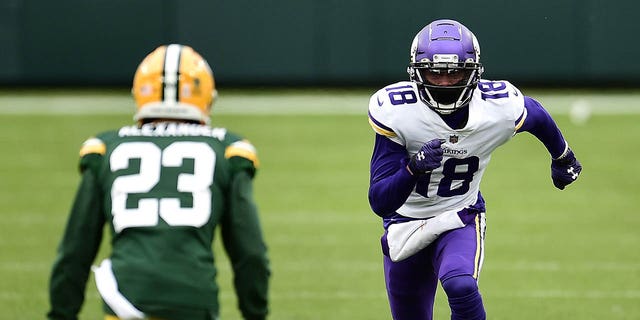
174	82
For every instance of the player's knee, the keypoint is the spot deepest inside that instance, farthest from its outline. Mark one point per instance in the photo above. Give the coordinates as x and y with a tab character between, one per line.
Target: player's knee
460	286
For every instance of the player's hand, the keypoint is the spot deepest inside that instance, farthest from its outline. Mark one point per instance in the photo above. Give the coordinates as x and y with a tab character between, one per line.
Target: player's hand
429	157
565	170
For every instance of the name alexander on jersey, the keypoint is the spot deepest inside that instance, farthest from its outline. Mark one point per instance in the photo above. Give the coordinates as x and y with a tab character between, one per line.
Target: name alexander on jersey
172	129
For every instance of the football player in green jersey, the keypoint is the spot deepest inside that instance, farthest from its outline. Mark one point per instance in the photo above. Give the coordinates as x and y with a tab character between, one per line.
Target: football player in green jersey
163	186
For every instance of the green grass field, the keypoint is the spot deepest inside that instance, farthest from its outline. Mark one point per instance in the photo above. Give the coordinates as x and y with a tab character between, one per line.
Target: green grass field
550	254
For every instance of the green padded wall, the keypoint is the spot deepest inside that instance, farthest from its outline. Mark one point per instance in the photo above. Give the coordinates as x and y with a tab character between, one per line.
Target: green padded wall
315	42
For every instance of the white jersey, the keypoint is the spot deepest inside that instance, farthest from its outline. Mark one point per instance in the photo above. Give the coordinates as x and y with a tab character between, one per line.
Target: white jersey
397	112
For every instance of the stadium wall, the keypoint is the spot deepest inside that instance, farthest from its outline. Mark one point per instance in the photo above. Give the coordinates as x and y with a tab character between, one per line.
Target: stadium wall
315	42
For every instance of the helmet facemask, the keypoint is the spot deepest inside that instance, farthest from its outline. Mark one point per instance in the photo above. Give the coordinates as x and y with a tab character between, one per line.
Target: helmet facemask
445	65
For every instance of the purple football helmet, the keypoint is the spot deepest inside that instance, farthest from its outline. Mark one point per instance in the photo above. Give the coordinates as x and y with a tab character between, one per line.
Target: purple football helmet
445	49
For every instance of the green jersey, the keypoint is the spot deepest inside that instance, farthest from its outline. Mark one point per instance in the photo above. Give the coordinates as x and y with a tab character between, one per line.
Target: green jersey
163	189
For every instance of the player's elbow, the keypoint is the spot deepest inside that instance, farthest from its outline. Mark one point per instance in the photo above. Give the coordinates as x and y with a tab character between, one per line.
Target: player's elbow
255	260
381	207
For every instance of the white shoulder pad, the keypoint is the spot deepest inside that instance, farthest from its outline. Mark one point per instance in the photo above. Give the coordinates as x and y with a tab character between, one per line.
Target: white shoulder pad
501	94
384	106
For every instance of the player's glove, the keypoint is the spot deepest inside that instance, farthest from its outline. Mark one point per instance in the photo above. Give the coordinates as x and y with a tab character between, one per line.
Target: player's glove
565	170
429	157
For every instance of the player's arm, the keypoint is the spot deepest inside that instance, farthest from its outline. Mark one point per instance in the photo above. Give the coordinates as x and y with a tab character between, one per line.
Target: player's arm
77	249
390	182
565	168
243	239
537	121
393	173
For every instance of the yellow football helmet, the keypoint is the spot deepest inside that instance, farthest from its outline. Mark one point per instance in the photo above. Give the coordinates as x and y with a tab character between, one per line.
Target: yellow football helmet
174	82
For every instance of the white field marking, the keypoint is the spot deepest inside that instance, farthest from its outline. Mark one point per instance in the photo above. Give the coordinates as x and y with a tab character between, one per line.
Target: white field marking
25	266
332	295
606	103
376	265
13	296
570	294
322	240
536	294
65	104
556	266
322	217
381	294
360	267
282	102
267	103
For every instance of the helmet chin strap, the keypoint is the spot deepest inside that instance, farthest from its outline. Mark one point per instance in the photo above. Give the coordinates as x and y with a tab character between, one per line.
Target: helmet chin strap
449	110
436	106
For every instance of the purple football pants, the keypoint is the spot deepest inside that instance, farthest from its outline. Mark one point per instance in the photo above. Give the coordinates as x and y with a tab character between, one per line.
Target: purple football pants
455	259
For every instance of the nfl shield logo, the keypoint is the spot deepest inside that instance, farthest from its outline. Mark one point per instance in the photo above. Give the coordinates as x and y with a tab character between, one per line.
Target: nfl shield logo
453	138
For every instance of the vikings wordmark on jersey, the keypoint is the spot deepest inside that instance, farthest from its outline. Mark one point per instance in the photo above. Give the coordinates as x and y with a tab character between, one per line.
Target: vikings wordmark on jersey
495	110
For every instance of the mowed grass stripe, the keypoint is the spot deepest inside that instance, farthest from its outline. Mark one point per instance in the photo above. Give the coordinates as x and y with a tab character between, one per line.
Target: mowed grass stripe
550	254
290	101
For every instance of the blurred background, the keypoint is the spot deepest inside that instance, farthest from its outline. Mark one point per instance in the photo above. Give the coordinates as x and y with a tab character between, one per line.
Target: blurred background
313	42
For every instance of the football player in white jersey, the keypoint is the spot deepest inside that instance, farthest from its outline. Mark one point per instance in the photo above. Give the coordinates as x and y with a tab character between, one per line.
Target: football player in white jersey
434	139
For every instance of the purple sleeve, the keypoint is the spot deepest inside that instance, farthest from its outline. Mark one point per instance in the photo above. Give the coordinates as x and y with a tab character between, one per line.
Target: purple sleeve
539	123
390	182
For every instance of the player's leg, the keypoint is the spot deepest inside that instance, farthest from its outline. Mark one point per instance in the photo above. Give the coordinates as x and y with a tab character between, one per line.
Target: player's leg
111	317
411	286
458	260
168	312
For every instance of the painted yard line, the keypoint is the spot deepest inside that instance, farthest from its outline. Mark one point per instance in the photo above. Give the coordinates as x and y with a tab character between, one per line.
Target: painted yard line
537	294
61	102
567	266
16	266
570	294
375	266
333	295
287	103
